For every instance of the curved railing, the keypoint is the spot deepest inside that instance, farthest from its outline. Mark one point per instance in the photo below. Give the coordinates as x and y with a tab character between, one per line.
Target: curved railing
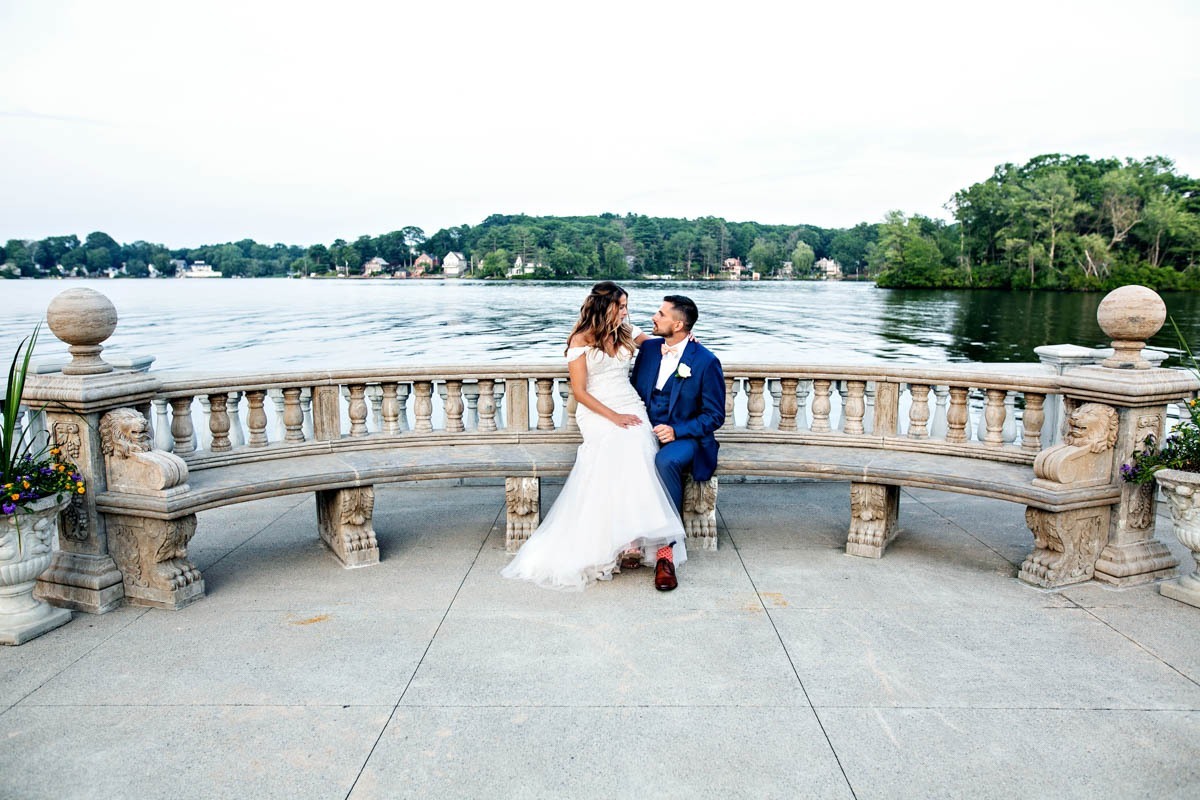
997	412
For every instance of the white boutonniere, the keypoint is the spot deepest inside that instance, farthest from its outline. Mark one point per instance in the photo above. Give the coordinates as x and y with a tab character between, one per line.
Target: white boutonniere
683	371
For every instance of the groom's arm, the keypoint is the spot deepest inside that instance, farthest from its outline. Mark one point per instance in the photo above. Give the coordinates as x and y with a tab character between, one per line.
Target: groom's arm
712	405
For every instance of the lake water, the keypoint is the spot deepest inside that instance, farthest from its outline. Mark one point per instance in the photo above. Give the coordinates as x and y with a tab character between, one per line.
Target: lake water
285	324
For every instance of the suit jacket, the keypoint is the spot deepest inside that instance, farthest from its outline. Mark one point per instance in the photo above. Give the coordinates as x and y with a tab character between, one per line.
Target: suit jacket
697	402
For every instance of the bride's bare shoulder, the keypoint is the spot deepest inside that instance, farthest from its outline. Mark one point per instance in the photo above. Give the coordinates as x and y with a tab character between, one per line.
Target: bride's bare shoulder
581	340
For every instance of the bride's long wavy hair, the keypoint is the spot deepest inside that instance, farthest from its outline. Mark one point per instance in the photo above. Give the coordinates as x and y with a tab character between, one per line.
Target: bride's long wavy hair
600	319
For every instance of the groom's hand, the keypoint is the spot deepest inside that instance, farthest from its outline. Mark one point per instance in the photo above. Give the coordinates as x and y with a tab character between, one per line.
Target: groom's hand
665	433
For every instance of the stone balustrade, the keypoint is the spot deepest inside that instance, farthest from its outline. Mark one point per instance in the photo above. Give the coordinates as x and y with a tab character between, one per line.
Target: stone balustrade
947	422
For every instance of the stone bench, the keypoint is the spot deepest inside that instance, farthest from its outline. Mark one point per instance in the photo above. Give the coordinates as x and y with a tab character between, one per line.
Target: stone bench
153	497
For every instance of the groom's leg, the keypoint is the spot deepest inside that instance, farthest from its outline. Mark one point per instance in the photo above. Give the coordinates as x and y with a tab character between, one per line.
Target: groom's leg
672	462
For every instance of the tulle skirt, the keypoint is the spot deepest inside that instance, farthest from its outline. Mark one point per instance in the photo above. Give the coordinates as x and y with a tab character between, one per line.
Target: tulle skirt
612	500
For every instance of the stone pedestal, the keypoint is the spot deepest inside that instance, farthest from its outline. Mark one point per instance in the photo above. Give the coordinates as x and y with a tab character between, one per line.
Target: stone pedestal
874	512
523	502
700	512
152	557
344	520
82	581
1066	545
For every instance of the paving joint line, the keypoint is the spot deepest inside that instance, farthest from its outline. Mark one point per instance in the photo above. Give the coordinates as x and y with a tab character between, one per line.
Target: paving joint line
424	653
787	654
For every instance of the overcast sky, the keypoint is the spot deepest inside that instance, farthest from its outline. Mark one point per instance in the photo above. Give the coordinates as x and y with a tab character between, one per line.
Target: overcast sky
193	123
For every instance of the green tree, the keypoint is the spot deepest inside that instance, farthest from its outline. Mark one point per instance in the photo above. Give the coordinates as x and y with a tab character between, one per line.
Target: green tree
803	258
495	264
765	258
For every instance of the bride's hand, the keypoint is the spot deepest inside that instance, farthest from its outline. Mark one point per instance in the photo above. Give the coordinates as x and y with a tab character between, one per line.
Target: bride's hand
627	420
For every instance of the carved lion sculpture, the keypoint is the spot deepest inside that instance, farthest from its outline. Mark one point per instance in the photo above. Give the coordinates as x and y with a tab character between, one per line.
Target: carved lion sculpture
124	432
1092	426
1083	458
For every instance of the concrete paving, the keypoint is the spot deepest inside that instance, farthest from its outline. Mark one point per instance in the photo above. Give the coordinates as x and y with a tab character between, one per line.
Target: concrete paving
780	668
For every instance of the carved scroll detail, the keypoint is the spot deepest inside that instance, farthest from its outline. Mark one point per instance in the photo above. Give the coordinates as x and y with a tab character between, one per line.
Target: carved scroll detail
1066	545
874	511
1083	458
700	511
344	518
523	500
152	556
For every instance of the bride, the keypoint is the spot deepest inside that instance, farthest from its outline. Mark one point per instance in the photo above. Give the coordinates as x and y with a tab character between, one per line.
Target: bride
612	509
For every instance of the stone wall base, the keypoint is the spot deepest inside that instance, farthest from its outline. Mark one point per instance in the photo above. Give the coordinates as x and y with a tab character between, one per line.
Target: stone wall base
88	583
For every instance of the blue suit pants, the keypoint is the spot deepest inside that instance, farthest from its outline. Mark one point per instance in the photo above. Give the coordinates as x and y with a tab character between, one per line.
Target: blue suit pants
672	461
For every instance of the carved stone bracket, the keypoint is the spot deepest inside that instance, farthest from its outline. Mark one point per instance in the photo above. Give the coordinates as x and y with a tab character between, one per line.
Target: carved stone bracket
1085	456
152	556
523	499
1066	545
344	519
874	511
700	511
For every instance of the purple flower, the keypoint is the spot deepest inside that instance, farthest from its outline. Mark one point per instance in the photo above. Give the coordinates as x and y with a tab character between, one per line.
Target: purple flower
46	471
75	476
8	508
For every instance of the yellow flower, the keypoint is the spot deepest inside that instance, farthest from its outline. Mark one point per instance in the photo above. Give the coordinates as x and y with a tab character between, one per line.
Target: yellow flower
16	496
25	484
54	451
62	468
80	490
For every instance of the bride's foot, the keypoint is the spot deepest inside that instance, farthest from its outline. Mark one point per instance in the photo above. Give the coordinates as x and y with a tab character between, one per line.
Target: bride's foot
630	559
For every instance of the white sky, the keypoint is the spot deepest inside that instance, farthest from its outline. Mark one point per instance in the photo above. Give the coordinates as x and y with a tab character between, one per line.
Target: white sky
193	123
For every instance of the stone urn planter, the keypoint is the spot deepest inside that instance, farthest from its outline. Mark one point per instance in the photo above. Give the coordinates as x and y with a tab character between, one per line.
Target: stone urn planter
1182	491
22	559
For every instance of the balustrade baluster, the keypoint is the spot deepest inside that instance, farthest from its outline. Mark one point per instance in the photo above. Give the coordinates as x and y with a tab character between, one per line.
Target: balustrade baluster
293	416
856	407
454	407
471	397
776	391
755	404
204	435
1034	417
939	427
993	415
918	412
1009	431
402	392
237	436
218	422
498	394
570	405
545	404
820	406
256	418
730	396
840	388
389	409
181	425
487	406
803	388
357	409
276	396
307	414
162	425
375	398
787	404
423	406
869	402
958	415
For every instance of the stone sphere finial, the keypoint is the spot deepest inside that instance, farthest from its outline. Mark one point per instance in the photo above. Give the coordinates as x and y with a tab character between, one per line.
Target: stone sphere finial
1130	315
83	319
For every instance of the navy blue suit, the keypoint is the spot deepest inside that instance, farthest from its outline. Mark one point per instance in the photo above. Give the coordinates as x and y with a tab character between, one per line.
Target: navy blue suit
693	406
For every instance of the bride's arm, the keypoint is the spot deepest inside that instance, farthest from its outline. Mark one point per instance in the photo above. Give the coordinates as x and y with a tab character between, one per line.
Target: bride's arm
577	369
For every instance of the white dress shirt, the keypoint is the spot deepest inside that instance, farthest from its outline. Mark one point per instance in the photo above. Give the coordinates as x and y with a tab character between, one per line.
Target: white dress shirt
670	362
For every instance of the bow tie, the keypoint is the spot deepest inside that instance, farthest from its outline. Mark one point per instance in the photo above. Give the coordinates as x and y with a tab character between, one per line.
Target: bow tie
668	350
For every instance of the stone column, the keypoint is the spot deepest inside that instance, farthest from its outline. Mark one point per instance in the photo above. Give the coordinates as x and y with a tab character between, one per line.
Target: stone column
344	518
83	574
1139	392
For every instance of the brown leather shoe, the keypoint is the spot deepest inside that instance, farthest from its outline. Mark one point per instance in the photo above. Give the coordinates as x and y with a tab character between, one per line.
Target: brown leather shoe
664	576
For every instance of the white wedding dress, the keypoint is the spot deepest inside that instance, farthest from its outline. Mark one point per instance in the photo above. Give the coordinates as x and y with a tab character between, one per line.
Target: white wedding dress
613	497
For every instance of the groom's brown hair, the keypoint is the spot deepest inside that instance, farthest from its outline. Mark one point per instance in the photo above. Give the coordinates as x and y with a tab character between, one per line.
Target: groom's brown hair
685	308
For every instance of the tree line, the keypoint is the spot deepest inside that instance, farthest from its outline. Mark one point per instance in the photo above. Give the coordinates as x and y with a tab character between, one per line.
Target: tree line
1057	222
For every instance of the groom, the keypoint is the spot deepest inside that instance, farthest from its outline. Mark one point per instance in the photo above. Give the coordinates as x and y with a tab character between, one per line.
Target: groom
684	390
